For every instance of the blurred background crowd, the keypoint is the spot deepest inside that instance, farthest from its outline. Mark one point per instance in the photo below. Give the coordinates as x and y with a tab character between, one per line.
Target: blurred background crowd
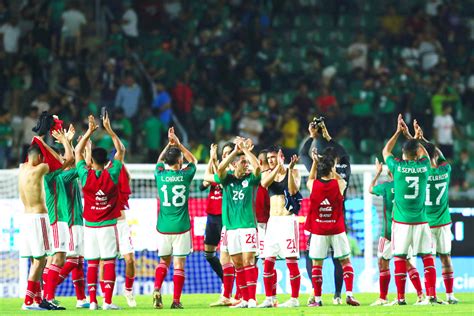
257	68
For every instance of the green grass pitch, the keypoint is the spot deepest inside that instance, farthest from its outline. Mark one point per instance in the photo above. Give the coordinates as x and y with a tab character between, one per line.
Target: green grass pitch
198	304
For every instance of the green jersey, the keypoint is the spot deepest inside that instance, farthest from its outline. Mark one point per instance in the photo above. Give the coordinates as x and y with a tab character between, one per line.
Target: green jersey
437	201
51	196
410	179
386	191
69	196
238	200
173	192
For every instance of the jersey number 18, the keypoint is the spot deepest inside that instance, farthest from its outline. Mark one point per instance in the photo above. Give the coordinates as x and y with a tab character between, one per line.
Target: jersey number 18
178	198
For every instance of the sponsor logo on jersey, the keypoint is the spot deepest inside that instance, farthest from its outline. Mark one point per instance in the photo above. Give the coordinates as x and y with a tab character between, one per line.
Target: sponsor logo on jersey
100	196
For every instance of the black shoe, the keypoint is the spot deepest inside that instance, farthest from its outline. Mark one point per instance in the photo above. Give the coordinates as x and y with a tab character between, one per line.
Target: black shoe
435	300
177	305
51	306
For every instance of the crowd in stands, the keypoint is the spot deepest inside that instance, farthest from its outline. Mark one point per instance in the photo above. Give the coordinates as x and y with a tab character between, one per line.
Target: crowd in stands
261	69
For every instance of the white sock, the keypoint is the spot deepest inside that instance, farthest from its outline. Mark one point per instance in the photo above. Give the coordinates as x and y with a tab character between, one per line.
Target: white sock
348	293
317	299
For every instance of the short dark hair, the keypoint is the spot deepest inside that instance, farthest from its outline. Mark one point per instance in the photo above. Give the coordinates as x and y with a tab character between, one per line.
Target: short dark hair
34	150
431	149
411	147
330	152
326	163
273	149
99	155
263	152
172	156
231	145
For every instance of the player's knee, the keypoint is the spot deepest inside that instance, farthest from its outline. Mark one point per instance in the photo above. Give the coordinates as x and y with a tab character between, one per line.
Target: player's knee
59	260
129	259
445	260
209	255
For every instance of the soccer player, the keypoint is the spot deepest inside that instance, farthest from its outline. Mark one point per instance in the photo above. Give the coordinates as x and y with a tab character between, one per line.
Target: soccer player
320	139
239	187
410	223
228	269
173	223
437	210
58	218
101	201
36	240
70	202
281	237
384	252
125	238
212	234
325	222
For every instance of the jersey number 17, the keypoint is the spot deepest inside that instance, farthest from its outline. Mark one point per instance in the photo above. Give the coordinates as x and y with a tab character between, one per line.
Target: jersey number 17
441	187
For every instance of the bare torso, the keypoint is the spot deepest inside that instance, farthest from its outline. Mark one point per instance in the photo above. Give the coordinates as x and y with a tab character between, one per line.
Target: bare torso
277	202
31	187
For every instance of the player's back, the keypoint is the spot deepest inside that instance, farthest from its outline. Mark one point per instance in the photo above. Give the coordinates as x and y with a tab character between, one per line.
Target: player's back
326	208
410	180
30	183
437	199
173	192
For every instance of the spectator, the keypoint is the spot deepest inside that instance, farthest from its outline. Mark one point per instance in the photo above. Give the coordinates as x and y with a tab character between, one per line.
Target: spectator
387	99
392	23
441	97
290	131
223	121
116	42
71	32
431	7
430	50
182	100
326	101
153	130
11	36
461	169
251	127
250	84
6	140
200	120
27	134
109	80
357	52
443	127
411	55
128	97
362	111
122	125
162	102
273	122
302	102
130	25
41	102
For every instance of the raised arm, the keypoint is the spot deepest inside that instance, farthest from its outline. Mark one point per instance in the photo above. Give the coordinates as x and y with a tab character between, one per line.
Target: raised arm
221	169
161	157
246	148
294	179
387	150
60	136
313	173
419	135
79	150
378	168
173	139
211	166
119	147
269	177
305	149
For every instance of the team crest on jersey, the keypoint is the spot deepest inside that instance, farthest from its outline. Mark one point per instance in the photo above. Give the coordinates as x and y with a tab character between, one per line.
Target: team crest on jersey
245	183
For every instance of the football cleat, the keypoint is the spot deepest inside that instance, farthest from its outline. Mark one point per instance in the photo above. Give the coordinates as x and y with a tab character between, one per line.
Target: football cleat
379	302
267	303
292	302
222	301
94	306
316	304
337	301
50	306
32	307
452	300
350	300
110	306
157	300
177	305
130	298
396	302
242	304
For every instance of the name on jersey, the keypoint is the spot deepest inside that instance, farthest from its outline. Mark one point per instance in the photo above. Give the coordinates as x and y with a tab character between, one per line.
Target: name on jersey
412	170
438	177
172	178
